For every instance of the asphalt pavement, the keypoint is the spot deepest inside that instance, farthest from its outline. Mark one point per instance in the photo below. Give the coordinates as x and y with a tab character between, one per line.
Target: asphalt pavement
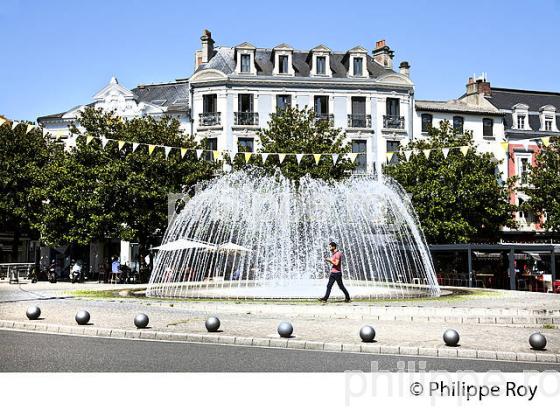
40	352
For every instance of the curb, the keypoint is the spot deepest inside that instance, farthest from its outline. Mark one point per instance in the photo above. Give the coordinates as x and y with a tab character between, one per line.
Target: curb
213	338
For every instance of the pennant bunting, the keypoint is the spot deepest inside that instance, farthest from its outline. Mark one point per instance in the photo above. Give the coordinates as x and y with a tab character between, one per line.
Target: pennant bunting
317	158
281	157
199	153
504	146
151	149
167	151
334	158
183	152
29	128
353	156
135	145
121	145
2	121
14	125
104	141
407	155
445	152
216	155
247	156
464	150
264	156
546	141
89	138
389	156
299	157
427	153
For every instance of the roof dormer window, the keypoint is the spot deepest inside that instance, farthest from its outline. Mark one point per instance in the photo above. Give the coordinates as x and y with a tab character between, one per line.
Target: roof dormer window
355	61
521	117
547	116
320	61
245	59
282	60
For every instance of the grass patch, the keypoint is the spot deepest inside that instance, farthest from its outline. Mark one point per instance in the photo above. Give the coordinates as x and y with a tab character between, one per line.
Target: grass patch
548	326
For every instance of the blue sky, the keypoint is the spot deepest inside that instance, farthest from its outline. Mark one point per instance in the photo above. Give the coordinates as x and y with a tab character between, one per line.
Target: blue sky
56	54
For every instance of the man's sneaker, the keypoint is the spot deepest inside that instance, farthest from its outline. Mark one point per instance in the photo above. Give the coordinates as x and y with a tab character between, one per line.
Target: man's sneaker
347	300
322	300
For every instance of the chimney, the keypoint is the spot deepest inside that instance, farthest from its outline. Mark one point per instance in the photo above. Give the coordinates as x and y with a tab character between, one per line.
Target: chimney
480	86
383	54
207	47
404	68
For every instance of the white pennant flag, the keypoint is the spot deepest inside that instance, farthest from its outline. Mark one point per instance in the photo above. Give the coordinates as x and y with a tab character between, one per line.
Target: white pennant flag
104	141
14	125
167	151
134	146
334	158
525	144
407	155
299	157
264	156
445	152
281	157
199	153
29	128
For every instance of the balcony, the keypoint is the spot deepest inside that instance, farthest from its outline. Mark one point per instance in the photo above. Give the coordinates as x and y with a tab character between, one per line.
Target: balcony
359	121
209	119
393	122
246	118
324	117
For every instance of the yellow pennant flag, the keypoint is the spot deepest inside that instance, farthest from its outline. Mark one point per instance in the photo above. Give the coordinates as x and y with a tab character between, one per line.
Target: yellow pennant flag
121	144
183	152
504	145
281	157
353	156
427	153
248	156
29	128
389	156
2	121
546	141
216	155
464	150
317	158
151	149
89	138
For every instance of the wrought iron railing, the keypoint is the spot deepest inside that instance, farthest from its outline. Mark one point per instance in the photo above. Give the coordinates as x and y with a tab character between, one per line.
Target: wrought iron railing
393	121
208	119
359	121
324	117
246	118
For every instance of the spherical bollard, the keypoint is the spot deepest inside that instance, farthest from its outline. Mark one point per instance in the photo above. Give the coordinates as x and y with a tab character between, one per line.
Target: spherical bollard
367	334
33	312
82	317
451	337
141	321
537	341
212	324
285	329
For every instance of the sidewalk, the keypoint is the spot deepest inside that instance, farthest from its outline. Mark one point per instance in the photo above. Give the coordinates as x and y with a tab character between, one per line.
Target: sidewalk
489	328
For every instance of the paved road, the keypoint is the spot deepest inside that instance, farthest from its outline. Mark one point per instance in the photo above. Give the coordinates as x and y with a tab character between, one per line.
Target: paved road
38	352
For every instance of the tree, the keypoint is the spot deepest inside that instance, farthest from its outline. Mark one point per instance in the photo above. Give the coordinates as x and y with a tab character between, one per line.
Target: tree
98	193
298	131
458	198
23	155
544	186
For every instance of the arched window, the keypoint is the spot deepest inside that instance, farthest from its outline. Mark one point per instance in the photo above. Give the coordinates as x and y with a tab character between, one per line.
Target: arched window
426	122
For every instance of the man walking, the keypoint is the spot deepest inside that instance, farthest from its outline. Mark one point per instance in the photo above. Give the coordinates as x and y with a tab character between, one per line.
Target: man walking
336	273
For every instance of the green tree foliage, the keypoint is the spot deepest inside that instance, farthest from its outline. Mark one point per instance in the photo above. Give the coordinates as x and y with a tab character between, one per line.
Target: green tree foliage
544	186
297	131
96	193
458	199
22	158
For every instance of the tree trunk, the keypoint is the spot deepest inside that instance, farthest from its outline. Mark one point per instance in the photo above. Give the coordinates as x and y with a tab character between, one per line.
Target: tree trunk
15	246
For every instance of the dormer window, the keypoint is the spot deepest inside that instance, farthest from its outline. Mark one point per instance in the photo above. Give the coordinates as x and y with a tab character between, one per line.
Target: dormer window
358	66
521	116
283	64
245	59
547	116
321	65
245	63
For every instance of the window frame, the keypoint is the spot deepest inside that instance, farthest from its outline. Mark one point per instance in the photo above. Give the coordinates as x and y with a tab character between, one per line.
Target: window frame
245	56
428	126
361	60
460	129
281	58
324	66
485	127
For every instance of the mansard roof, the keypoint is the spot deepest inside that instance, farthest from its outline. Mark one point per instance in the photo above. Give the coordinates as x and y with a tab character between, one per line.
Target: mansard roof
506	98
224	61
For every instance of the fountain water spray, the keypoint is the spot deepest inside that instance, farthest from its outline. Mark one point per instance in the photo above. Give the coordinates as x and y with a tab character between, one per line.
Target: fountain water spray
249	235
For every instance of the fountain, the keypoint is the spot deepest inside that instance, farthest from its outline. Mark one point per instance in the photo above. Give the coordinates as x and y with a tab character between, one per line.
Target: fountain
249	235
